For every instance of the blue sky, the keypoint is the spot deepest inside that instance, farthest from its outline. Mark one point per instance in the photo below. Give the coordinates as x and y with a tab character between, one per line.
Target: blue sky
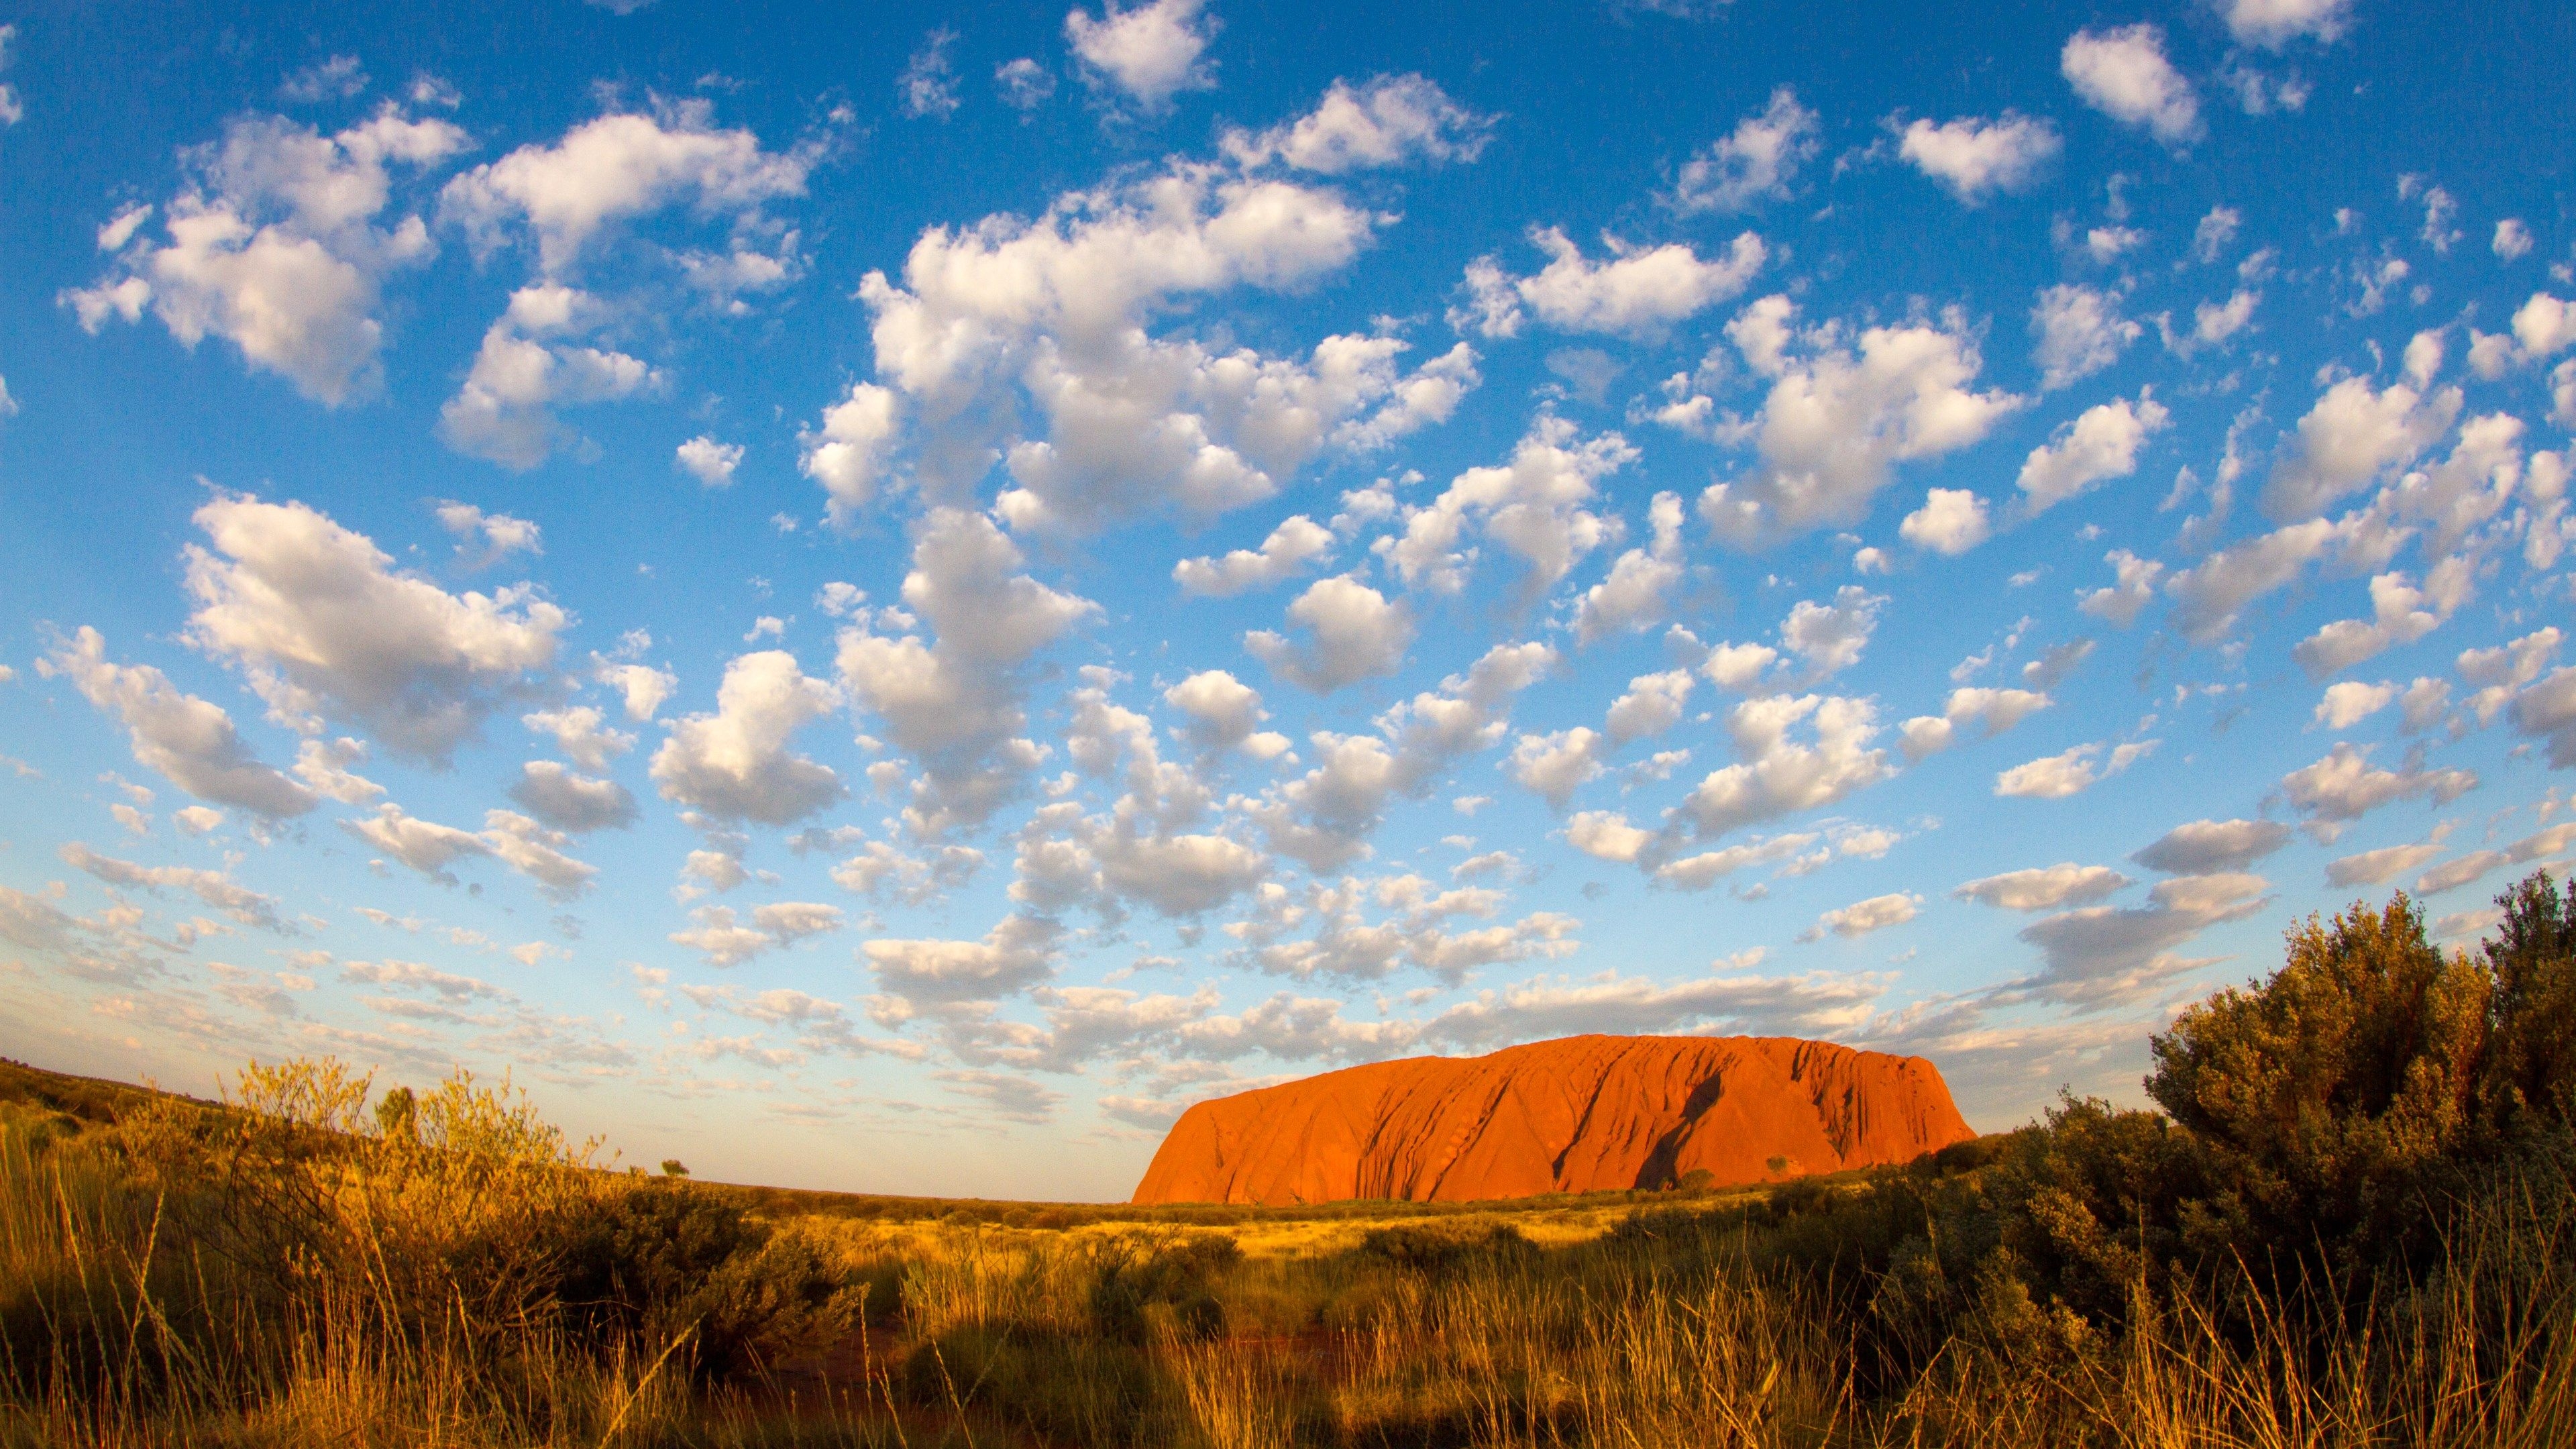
882	598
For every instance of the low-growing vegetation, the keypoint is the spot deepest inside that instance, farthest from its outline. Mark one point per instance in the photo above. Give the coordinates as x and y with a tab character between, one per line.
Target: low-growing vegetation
2352	1222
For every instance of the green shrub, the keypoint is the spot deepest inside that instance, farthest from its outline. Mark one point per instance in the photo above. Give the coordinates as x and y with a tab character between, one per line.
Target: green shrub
35	1130
877	1284
1799	1196
1965	1156
2529	1080
1438	1249
1063	1388
1136	1275
2330	1100
2086	1207
2323	1124
660	1260
1645	1225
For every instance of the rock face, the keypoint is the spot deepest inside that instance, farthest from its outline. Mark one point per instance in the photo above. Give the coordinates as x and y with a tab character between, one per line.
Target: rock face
1577	1115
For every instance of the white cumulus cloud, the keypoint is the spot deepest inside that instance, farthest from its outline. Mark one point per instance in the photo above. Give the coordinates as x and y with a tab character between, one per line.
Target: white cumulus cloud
1148	53
1839	418
1753	163
2099	445
1354	633
2123	74
735	764
273	245
1388	121
1975	158
191	742
1637	292
322	623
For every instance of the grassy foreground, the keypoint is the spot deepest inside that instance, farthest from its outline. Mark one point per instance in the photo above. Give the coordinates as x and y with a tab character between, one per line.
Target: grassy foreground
314	1262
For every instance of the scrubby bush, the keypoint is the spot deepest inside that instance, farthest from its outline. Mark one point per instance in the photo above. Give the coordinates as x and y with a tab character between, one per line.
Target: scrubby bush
1434	1249
1141	1282
451	1210
2344	1105
2085	1207
2320	1127
34	1130
459	1213
660	1262
2323	1129
2331	1102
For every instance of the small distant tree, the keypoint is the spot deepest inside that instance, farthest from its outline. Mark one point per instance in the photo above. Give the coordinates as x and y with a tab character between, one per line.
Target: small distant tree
398	1115
674	1167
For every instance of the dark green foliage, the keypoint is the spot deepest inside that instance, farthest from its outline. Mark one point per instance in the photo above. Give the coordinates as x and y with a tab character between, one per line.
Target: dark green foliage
1804	1195
1435	1250
659	1261
398	1114
2330	1101
877	1285
1063	1388
1134	1276
2324	1126
2530	1078
37	1129
1966	1156
1653	1225
2086	1206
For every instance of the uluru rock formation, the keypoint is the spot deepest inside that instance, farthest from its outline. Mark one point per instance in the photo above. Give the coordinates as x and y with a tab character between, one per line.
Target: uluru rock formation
1577	1115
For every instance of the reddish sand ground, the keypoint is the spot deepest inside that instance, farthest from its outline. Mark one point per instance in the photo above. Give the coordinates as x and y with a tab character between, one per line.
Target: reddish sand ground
1577	1115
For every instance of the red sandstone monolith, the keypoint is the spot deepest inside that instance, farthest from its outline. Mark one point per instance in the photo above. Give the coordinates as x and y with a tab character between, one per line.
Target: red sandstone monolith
1577	1115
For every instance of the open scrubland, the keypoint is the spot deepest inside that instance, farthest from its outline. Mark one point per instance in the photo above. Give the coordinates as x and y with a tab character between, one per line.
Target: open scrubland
2351	1223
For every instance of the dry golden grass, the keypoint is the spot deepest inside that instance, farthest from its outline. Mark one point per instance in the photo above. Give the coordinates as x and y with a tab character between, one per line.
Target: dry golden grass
126	1319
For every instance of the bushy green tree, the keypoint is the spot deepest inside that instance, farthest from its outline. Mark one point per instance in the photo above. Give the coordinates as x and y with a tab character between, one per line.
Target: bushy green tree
2090	1203
2330	1100
2331	1116
2530	1077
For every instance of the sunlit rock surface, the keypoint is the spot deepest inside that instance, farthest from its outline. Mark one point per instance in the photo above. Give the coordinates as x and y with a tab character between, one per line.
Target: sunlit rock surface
1577	1115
